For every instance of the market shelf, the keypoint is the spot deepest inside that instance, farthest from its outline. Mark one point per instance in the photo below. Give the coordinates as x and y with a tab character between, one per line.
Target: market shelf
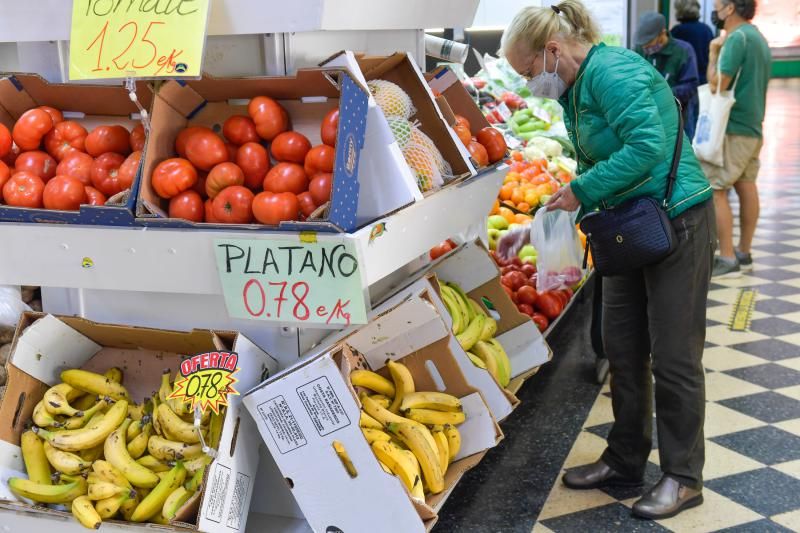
182	261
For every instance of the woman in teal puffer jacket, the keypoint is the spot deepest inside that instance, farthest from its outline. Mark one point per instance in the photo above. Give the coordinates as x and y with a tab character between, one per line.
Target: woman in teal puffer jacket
623	120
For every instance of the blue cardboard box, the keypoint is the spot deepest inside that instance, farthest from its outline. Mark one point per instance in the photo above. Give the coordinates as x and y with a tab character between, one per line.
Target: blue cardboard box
90	105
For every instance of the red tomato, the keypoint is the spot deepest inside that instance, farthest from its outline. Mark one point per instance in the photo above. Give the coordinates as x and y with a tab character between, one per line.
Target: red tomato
187	205
183	136
290	146
66	137
269	116
239	130
527	295
24	189
463	134
320	187
233	205
54	113
462	121
286	177
306	203
105	173
200	185
253	159
440	249
330	127
525	308
272	208
494	142
64	193
10	158
222	176
478	153
128	170
94	197
205	150
104	139
511	294
5	141
541	321
5	174
208	208
77	165
137	138
30	128
36	162
232	149
319	159
549	305
173	176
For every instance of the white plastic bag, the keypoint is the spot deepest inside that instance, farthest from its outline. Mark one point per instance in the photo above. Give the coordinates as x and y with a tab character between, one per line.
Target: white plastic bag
11	305
559	255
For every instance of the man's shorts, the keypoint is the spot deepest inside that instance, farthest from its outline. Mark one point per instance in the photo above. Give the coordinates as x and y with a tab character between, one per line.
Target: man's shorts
741	162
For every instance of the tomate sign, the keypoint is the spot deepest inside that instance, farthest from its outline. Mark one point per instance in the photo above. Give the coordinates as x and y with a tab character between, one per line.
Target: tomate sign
137	38
317	283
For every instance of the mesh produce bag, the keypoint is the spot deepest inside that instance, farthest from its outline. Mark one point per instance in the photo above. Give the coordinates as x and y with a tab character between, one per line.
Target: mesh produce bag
421	154
393	101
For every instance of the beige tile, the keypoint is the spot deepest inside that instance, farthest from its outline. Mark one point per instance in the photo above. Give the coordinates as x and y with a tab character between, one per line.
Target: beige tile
601	412
562	500
721	461
792	255
726	296
654	457
790	363
587	449
792	268
794	317
791	392
721	387
793	242
794	298
539	528
720	313
794	338
790	520
723	336
792	468
629	502
743	281
721	420
717	512
792	426
723	358
791	282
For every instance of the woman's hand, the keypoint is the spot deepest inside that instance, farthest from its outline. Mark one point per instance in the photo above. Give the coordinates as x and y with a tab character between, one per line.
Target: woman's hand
564	199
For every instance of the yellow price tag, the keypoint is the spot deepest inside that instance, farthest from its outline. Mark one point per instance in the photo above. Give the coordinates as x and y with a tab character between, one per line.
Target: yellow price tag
207	380
137	38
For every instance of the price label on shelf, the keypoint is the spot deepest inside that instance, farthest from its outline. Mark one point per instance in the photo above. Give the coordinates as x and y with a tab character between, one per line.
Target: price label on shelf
303	282
137	38
207	380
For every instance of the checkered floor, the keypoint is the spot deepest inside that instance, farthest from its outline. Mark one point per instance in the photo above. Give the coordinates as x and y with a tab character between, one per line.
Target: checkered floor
752	428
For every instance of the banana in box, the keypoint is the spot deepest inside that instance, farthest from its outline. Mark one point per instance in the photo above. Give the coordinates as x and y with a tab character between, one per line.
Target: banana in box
88	428
373	434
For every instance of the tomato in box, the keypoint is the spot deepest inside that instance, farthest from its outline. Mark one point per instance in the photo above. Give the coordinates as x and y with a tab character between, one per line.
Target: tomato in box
233	205
38	163
253	159
64	193
221	176
104	139
30	129
24	189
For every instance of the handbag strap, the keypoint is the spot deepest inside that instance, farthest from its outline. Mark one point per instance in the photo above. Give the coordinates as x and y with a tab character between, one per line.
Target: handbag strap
676	156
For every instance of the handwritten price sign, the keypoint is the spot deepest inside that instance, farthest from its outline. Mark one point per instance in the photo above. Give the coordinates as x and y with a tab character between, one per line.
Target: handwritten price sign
292	282
137	38
207	380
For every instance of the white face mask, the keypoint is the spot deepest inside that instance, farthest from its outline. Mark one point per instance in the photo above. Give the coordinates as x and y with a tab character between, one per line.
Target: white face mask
547	84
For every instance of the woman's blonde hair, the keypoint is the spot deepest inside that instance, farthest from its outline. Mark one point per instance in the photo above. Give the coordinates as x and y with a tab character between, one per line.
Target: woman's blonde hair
533	26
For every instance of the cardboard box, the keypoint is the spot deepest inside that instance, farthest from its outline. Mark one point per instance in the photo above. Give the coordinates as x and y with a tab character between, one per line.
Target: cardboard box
44	345
400	68
304	410
91	106
307	97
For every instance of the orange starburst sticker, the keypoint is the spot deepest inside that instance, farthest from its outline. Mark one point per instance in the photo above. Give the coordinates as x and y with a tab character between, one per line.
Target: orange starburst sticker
206	380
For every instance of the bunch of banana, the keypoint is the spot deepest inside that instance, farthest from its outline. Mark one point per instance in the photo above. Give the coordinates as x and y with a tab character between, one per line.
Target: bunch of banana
412	433
103	456
475	331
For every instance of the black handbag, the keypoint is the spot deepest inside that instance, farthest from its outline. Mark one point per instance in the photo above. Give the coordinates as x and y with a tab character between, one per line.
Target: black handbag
636	233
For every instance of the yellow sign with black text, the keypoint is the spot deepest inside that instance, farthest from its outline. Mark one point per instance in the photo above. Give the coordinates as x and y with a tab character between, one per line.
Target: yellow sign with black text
206	380
137	38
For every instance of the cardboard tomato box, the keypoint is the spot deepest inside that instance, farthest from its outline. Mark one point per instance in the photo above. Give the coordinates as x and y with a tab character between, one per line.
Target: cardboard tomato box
306	410
89	105
45	345
307	97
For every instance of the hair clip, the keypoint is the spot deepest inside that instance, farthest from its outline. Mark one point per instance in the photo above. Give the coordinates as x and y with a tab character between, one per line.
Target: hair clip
556	9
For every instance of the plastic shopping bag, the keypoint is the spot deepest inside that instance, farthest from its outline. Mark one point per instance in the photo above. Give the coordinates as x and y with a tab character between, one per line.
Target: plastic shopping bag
559	253
11	305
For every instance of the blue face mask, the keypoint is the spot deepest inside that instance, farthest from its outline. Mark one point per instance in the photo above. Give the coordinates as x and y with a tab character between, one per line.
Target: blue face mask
654	49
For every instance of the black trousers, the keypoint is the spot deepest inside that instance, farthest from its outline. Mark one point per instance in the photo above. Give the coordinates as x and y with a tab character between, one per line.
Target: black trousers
654	325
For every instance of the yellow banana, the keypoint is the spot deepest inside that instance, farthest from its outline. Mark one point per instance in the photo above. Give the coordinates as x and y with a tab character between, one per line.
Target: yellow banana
382	400
373	435
66	462
166	387
136	411
429	417
378	413
175	501
489	329
138	444
415	438
128	506
135	428
94	384
152	504
153	464
83	418
85	513
56	400
366	421
477	361
182	408
462	300
485	353
103	489
156	422
438	401
344	457
36	463
215	429
476	307
194	482
372	381
453	440
444	448
403	383
453	309
392	456
175	428
108	507
110	473
159	519
43	418
116	453
170	450
502	360
84	402
471	335
193	466
91	455
115	374
94	433
42	493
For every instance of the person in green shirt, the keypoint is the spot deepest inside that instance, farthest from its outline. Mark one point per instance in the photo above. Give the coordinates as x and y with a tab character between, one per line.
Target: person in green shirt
739	58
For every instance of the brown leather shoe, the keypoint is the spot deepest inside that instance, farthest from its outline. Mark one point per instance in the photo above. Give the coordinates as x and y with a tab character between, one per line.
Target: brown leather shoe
596	475
666	499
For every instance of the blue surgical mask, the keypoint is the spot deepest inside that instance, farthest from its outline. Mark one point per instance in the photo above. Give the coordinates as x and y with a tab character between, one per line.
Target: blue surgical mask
547	84
650	50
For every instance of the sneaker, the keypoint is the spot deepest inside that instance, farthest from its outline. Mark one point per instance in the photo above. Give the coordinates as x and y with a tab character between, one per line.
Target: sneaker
745	261
726	268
